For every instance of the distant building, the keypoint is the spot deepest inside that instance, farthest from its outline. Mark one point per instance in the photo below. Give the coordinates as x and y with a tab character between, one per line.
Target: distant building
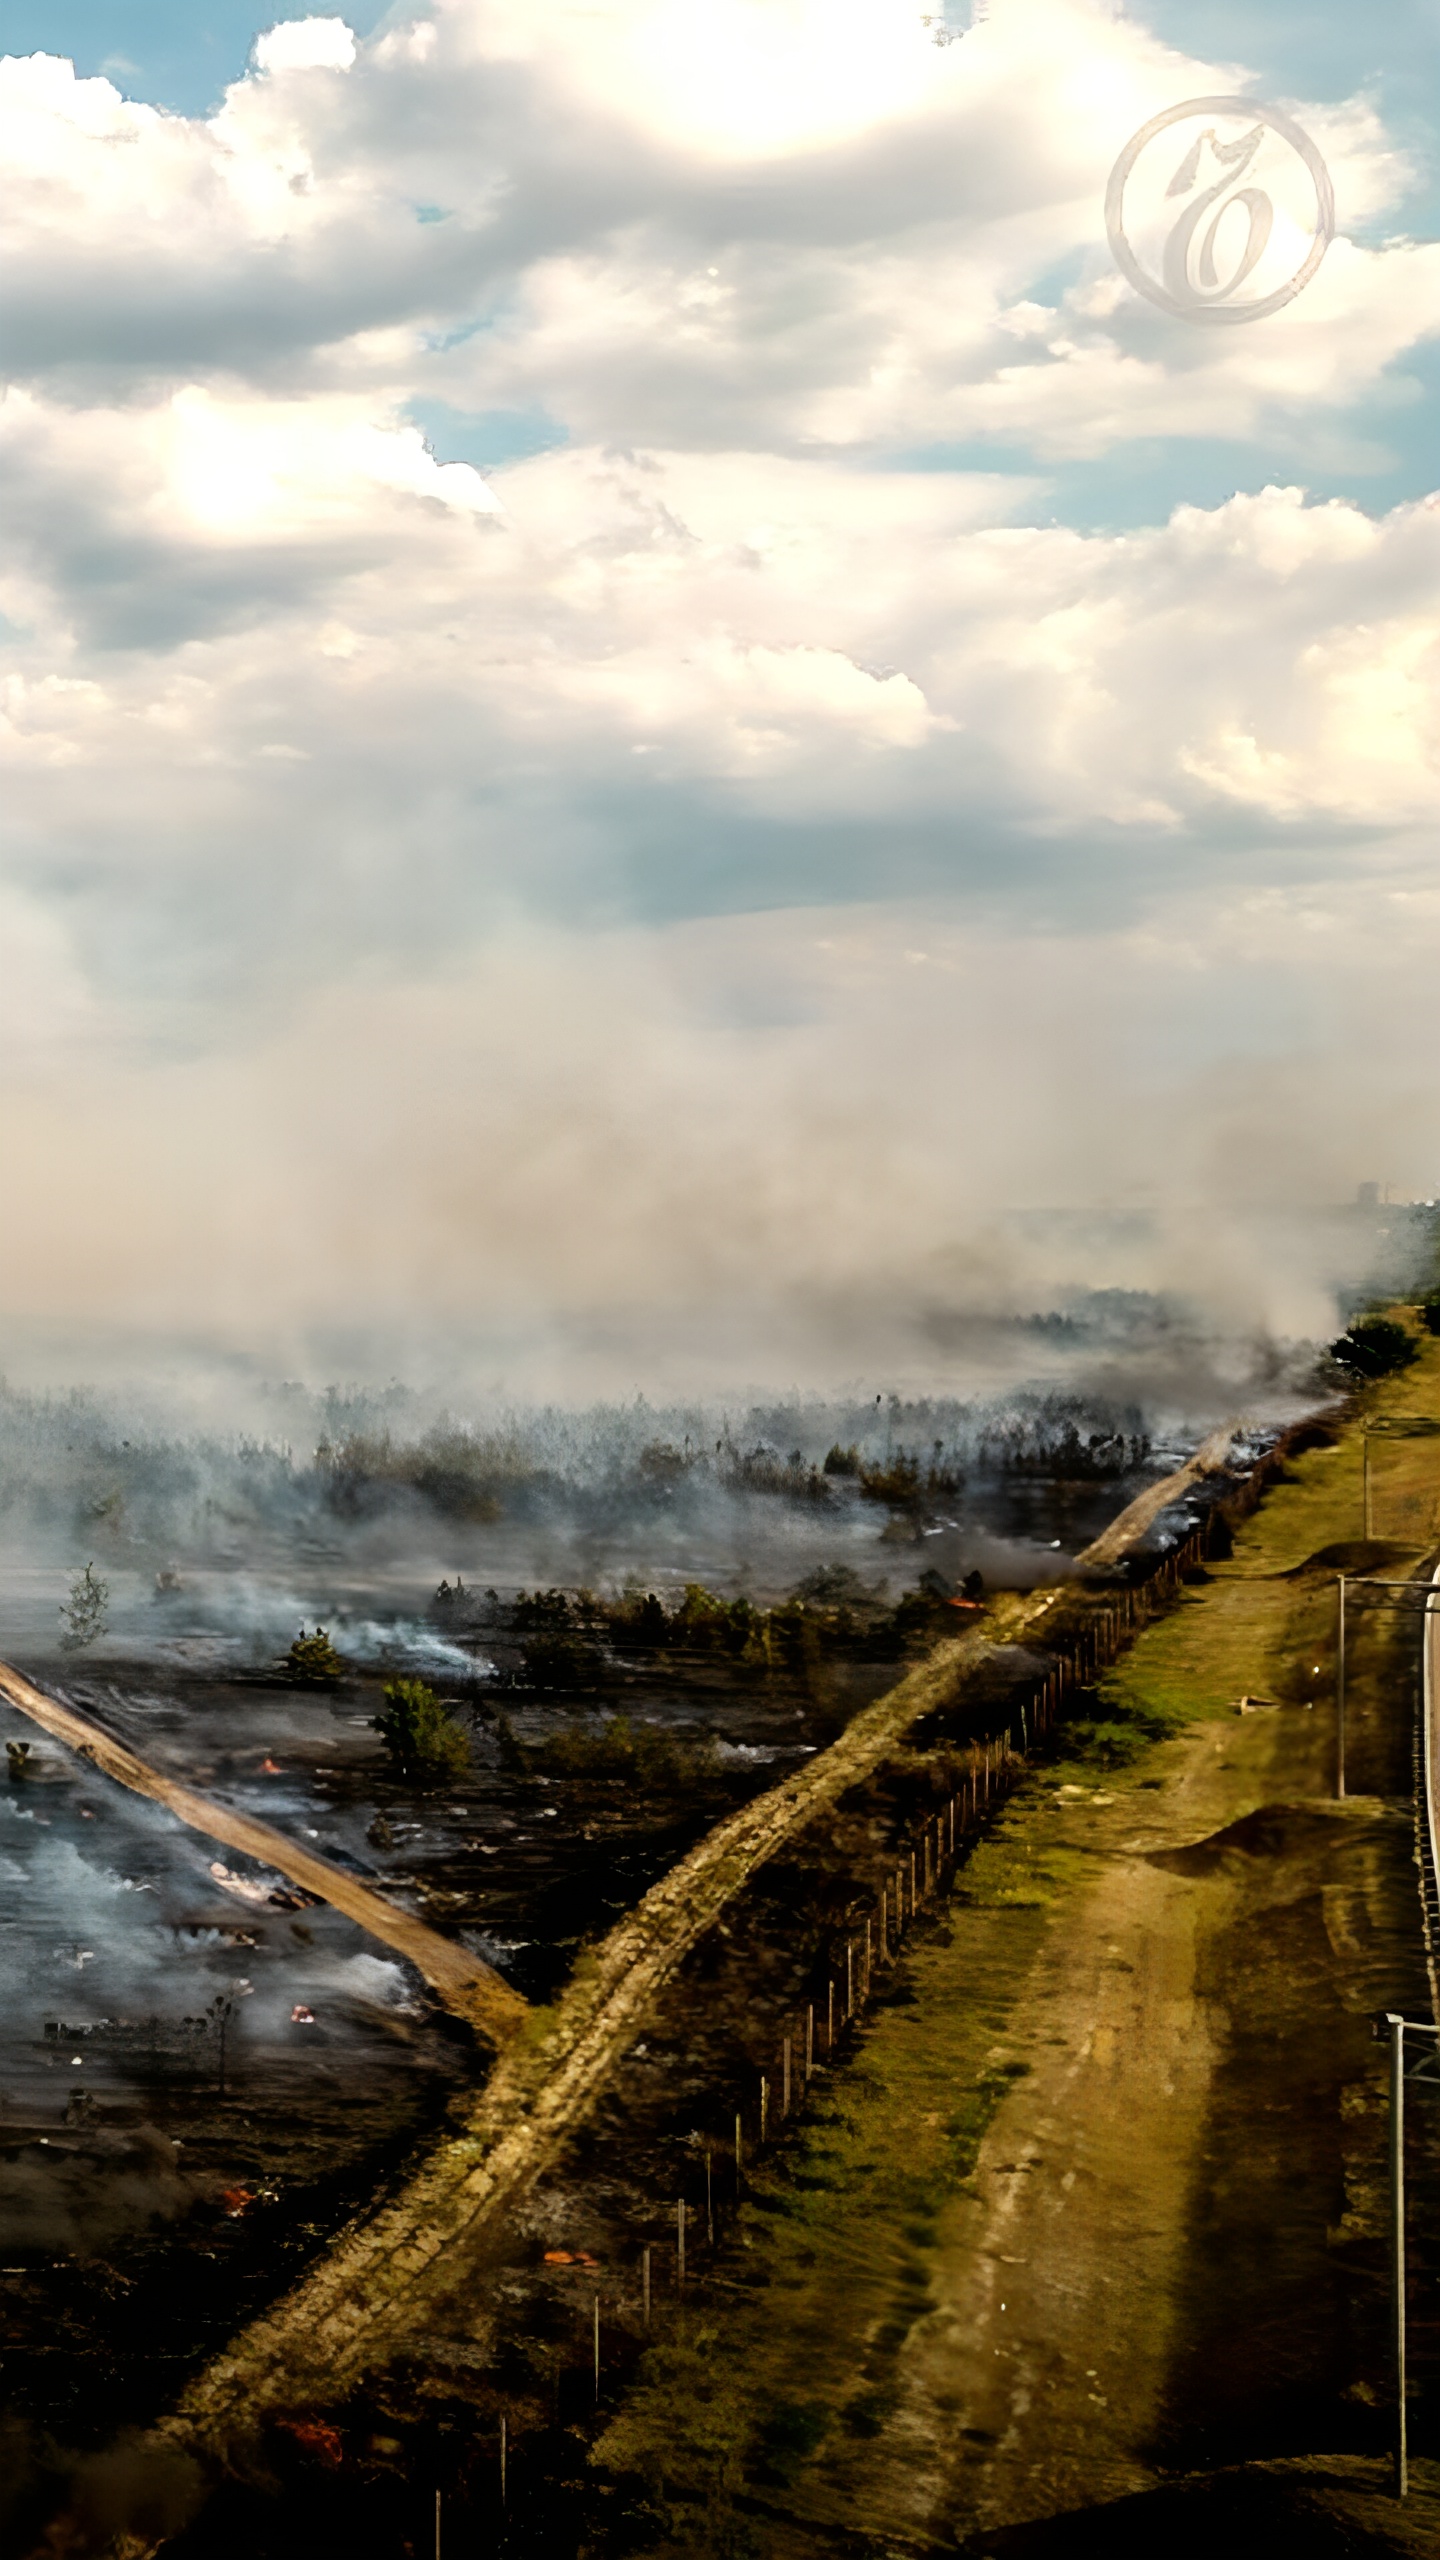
1367	1196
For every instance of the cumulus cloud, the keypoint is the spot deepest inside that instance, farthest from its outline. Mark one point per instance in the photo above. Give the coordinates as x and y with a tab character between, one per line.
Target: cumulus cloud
305	44
381	801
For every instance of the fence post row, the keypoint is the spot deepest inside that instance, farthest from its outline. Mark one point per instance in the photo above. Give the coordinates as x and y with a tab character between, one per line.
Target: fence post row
942	1835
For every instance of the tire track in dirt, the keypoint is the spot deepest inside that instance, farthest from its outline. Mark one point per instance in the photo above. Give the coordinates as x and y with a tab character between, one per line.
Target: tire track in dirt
463	1983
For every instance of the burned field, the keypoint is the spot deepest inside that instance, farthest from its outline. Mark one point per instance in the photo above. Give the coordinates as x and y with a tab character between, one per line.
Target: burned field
208	2074
206	2070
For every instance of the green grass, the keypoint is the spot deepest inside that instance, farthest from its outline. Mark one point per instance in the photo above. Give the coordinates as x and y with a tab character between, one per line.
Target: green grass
778	2377
747	2430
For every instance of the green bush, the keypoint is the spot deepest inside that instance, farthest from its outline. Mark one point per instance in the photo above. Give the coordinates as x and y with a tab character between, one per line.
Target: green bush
1373	1347
312	1661
617	1749
1430	1312
420	1732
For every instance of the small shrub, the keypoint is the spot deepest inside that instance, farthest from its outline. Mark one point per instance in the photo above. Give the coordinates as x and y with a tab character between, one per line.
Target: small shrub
662	1761
1430	1312
420	1732
1373	1347
312	1661
83	1616
511	1748
562	1662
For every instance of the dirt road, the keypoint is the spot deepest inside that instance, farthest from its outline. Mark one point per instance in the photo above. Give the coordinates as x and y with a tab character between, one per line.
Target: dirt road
1129	1526
468	1987
1099	2209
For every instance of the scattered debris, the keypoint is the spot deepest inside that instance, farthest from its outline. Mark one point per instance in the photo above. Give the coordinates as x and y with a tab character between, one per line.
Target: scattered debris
300	2016
245	1886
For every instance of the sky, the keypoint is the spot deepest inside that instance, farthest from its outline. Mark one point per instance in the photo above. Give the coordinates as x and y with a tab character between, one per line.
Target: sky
658	731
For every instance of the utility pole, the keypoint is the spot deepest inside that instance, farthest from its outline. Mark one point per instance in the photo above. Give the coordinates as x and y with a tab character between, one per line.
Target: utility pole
1393	2030
1397	2248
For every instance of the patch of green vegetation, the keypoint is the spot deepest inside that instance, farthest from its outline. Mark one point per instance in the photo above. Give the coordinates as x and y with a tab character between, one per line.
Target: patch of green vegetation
781	2392
312	1661
782	2400
420	1732
461	1474
833	1615
654	1757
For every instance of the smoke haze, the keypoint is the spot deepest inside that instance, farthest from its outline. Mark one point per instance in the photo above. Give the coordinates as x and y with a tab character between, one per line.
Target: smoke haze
661	739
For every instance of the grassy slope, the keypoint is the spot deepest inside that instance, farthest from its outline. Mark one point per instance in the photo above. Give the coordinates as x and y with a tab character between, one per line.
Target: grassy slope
779	2417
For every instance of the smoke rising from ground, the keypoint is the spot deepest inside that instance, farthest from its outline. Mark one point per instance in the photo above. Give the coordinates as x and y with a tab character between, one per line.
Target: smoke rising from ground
789	1153
600	804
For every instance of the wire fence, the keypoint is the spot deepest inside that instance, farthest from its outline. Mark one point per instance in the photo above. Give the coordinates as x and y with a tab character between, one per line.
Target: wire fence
614	2322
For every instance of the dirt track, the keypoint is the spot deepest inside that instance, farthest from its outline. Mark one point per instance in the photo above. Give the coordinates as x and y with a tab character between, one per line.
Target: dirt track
465	1985
386	2280
1164	2256
1129	1526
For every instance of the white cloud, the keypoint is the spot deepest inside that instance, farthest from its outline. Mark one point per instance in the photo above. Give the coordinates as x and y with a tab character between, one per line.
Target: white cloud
305	44
325	740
